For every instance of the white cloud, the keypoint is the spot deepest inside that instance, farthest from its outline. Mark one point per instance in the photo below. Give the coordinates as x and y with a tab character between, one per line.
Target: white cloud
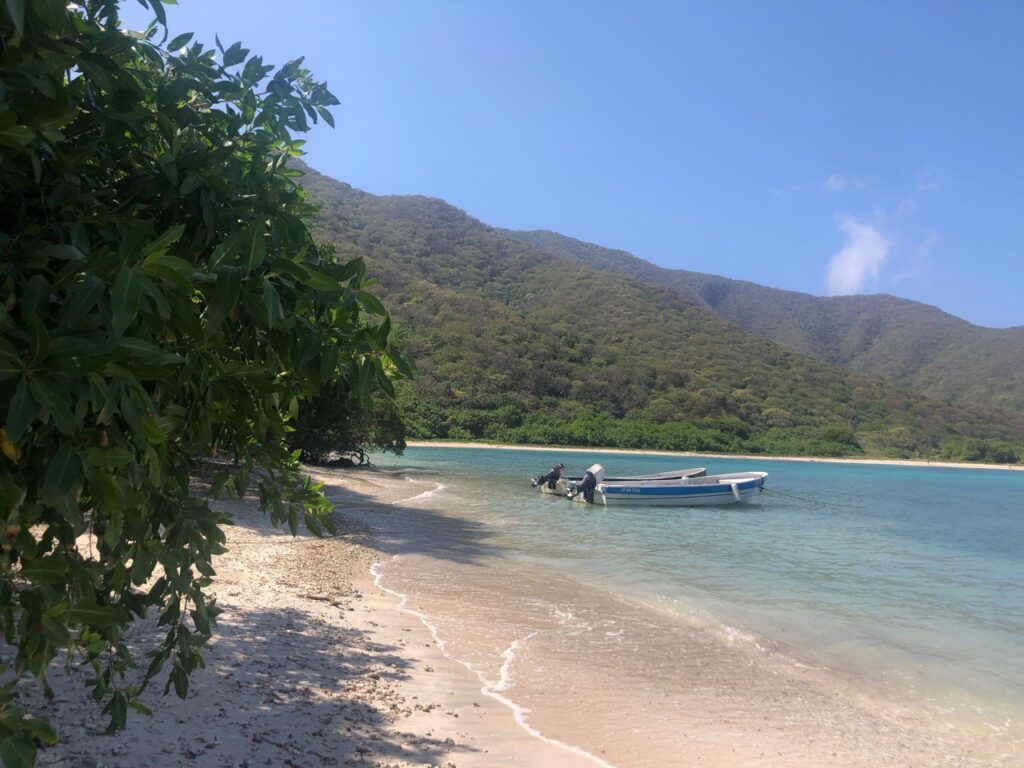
839	182
860	259
906	206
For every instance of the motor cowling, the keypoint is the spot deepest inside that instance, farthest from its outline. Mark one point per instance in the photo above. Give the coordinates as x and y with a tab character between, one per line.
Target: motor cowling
586	486
551	478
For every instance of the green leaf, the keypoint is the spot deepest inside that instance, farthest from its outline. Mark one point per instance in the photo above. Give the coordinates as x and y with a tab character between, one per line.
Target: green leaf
272	303
133	240
383	332
36	298
106	494
235	55
10	361
190	184
255	248
88	613
63	472
115	527
350	269
118	710
141	708
83	297
402	363
158	9
39	339
20	411
321	281
55	402
179	42
326	115
39	729
162	243
49	569
170	268
225	250
125	299
153	431
64	252
148	353
371	303
12	494
180	680
225	296
67	507
107	458
16	10
80	353
17	751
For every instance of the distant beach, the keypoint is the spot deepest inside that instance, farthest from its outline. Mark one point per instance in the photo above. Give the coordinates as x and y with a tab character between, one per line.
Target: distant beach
695	455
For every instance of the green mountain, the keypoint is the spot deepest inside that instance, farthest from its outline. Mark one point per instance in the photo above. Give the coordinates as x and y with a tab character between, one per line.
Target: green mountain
907	343
516	343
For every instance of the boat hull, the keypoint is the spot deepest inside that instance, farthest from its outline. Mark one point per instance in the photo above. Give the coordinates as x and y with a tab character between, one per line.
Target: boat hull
566	485
560	488
715	490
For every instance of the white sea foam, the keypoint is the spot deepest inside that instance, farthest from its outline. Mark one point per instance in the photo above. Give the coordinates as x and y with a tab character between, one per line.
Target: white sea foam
438	488
490	689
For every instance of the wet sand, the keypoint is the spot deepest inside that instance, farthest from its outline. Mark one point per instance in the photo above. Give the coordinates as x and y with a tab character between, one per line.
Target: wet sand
408	640
692	454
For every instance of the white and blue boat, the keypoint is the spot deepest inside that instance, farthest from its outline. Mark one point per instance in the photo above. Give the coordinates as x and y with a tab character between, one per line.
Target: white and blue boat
556	483
706	490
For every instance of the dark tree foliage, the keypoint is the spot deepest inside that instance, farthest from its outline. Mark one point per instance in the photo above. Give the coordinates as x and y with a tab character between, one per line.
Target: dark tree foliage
160	300
331	430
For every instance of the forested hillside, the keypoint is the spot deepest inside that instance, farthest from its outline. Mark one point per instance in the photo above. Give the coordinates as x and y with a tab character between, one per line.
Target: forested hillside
907	343
519	344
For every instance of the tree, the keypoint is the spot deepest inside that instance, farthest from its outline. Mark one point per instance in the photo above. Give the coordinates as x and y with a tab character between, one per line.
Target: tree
331	428
161	299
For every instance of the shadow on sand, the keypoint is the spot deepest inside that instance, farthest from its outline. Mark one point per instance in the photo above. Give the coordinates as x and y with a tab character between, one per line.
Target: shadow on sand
308	693
283	686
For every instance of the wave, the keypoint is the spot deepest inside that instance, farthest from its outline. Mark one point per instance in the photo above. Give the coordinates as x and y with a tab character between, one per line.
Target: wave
490	688
438	488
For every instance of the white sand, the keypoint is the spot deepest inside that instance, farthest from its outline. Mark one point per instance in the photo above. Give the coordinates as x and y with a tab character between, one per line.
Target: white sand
311	665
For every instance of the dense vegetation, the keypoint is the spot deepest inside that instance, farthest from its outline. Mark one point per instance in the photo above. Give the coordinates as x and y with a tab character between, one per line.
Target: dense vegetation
904	342
519	344
161	299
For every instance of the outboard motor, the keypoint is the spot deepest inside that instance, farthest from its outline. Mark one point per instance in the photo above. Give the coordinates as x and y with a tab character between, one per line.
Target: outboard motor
586	486
551	478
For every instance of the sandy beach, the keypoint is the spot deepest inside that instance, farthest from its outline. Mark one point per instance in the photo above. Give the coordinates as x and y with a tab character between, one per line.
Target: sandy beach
692	454
312	664
405	640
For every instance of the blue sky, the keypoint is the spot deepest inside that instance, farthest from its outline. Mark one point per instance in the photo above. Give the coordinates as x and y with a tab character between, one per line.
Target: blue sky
836	147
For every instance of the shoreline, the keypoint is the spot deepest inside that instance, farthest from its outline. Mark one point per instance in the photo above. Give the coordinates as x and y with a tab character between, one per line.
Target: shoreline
697	455
407	640
554	647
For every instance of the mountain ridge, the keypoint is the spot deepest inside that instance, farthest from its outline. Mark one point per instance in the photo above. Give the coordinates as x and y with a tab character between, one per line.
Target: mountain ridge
909	343
519	345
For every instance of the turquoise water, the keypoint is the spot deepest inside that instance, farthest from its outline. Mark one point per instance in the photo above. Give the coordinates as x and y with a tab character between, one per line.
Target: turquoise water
911	578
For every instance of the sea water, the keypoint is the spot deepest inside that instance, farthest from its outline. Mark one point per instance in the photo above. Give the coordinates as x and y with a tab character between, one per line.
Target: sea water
910	579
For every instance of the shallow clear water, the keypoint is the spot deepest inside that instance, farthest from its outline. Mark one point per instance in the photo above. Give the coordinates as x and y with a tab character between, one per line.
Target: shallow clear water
909	577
